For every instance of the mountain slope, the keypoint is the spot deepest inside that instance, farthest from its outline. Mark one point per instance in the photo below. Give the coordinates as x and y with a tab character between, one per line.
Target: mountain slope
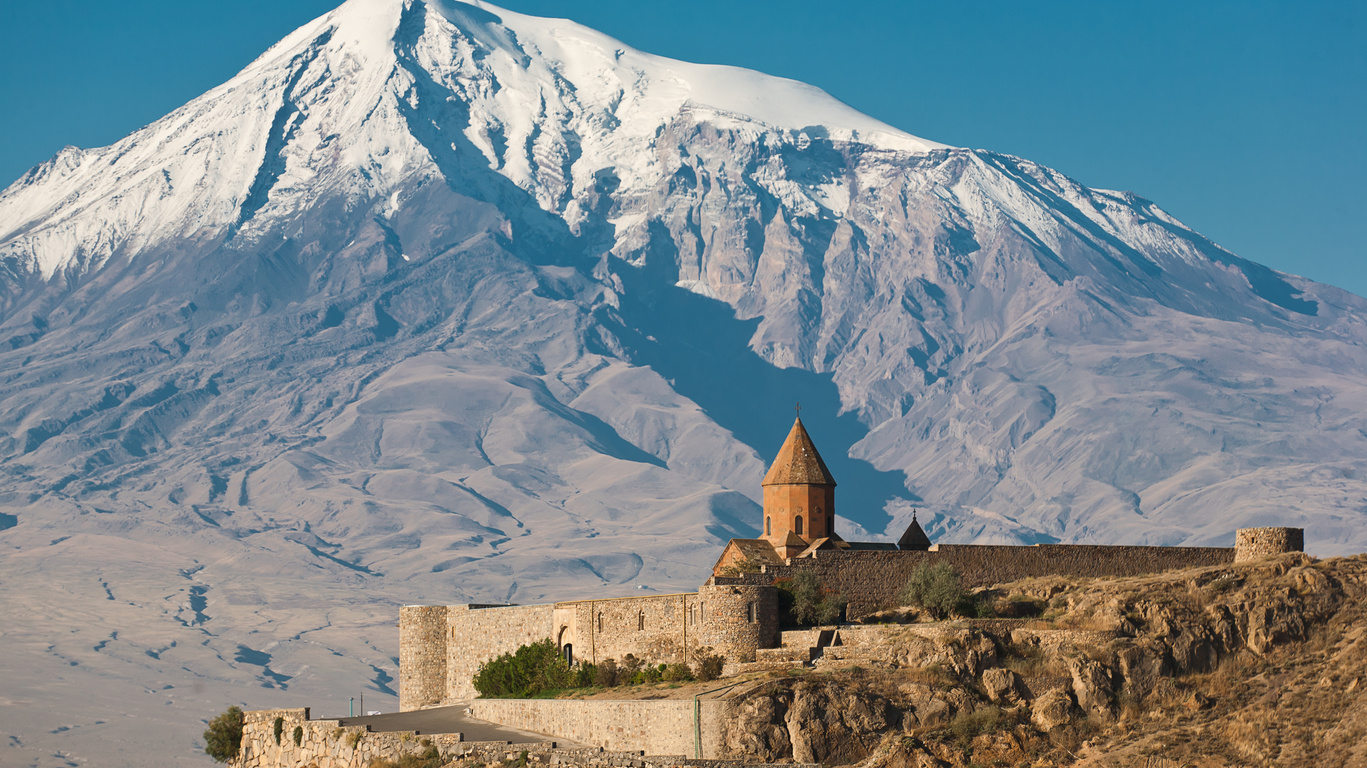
437	302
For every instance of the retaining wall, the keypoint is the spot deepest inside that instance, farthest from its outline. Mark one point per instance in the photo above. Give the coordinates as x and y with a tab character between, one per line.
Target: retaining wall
326	744
659	727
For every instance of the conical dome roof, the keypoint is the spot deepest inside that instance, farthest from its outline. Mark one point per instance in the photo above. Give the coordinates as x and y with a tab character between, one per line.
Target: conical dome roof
798	463
914	538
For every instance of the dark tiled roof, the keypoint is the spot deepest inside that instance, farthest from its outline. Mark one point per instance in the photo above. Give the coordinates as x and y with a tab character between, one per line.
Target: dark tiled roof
914	538
798	463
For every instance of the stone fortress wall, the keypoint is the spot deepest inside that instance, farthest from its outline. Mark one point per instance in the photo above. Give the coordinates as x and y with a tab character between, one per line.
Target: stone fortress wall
871	579
1255	543
442	647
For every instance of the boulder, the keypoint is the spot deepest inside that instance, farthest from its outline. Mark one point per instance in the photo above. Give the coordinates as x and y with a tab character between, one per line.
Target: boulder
1002	686
1053	709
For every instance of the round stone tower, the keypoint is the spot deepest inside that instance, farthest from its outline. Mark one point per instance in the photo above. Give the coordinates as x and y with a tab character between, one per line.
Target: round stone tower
1255	543
737	619
422	656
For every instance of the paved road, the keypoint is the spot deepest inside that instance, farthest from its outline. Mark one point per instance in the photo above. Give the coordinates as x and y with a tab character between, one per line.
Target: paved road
451	720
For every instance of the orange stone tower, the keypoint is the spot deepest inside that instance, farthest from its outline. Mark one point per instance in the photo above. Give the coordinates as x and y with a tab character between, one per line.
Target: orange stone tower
799	496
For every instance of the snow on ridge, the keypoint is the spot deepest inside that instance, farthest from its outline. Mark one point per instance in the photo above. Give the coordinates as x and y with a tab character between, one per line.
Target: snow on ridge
781	103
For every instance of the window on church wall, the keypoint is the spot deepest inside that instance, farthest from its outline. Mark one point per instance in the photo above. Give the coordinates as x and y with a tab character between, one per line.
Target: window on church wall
768	526
600	621
750	611
640	621
797	525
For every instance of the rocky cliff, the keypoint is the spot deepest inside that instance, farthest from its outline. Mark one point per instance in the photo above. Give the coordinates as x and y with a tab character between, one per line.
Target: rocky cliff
1263	664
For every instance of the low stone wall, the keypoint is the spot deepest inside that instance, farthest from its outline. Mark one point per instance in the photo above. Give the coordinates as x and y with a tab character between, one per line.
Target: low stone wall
322	743
326	744
655	727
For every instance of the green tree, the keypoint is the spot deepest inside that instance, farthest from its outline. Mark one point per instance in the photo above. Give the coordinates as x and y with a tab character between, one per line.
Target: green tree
936	588
811	603
223	739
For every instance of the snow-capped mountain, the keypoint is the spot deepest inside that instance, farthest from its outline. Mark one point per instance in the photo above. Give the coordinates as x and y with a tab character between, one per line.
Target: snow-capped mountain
436	302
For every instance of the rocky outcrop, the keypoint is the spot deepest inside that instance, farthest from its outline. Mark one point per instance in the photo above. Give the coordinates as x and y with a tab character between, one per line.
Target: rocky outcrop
1122	657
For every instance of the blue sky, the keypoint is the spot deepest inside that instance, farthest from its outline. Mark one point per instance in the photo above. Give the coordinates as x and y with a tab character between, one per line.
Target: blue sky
1247	120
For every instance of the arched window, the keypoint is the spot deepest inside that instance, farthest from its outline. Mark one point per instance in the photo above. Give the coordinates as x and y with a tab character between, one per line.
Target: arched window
797	525
750	611
817	517
640	621
600	621
768	526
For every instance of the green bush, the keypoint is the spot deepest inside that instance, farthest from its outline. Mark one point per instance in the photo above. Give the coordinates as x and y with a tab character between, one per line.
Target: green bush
936	588
298	735
808	603
277	728
526	672
709	664
223	739
677	673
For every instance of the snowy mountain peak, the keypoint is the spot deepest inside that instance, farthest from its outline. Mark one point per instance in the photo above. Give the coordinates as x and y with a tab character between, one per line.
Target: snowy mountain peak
335	106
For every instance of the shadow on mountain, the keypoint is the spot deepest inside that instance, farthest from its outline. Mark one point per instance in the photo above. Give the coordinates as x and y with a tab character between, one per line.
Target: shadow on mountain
700	346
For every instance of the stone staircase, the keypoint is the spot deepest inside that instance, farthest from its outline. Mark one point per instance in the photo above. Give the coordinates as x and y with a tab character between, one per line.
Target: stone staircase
797	648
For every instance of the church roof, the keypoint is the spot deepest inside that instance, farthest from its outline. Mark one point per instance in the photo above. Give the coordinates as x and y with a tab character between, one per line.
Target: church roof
798	463
757	551
914	538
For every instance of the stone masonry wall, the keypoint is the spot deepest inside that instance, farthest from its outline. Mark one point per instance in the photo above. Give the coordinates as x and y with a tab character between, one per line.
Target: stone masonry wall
660	629
659	727
476	634
871	580
1255	543
422	655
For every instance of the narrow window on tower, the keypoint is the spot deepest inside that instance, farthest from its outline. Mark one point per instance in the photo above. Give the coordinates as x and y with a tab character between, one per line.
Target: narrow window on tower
600	621
768	526
640	621
750	611
797	525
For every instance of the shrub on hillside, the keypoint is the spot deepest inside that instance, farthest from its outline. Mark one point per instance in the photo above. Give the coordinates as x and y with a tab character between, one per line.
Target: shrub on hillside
936	588
223	738
529	670
677	673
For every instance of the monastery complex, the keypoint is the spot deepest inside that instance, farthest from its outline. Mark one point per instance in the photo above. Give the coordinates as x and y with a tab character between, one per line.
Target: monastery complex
736	611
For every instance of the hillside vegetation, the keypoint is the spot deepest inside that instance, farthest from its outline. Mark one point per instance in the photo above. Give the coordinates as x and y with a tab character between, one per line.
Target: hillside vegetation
1260	664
